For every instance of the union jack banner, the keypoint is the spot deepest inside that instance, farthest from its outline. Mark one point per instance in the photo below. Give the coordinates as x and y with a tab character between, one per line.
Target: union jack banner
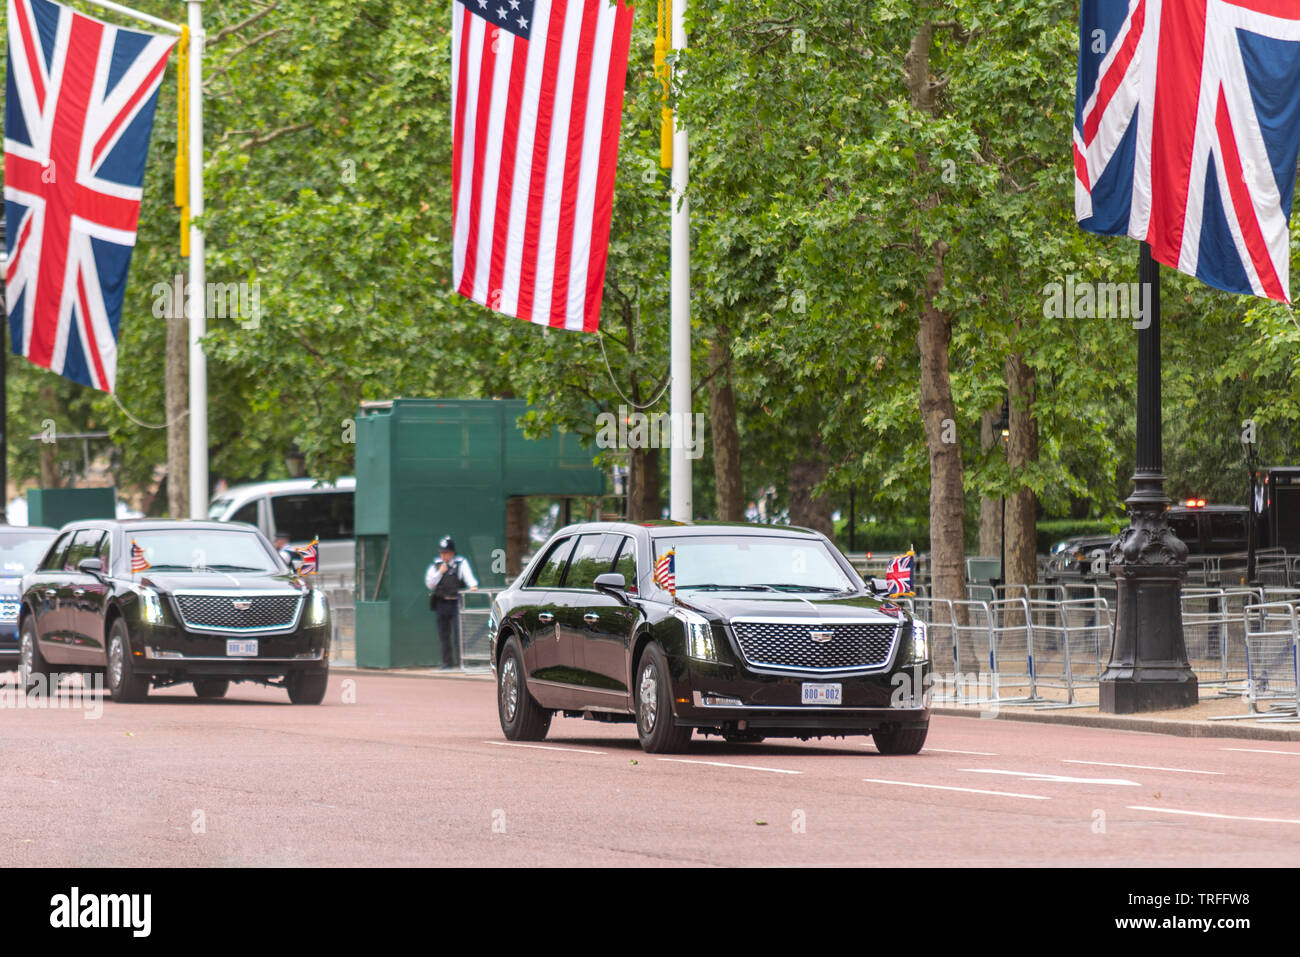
537	100
899	575
665	571
79	109
1186	133
138	562
308	565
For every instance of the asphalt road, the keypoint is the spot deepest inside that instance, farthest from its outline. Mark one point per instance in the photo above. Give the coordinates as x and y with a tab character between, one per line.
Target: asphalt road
395	770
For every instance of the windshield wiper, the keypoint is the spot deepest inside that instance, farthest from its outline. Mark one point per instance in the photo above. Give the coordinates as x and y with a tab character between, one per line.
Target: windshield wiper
237	568
711	587
822	588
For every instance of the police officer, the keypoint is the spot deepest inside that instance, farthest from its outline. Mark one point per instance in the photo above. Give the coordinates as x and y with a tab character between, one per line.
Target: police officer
446	578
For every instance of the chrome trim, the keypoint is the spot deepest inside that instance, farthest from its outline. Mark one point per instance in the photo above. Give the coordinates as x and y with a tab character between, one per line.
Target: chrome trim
238	593
793	710
814	623
148	653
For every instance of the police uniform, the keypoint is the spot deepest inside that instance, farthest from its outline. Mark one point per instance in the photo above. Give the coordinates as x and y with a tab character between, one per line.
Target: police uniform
444	589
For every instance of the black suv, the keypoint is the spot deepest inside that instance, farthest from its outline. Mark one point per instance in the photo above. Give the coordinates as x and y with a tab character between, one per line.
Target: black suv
745	631
152	603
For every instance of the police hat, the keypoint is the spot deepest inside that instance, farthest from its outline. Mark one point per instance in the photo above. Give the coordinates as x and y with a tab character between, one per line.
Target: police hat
446	545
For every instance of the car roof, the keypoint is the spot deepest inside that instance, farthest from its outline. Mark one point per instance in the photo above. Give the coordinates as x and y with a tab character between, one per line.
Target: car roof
661	528
26	529
345	483
156	524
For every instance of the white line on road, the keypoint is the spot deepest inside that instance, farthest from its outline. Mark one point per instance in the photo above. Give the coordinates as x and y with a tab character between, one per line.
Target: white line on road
941	787
1224	817
991	754
542	747
723	764
1054	778
1294	754
1139	767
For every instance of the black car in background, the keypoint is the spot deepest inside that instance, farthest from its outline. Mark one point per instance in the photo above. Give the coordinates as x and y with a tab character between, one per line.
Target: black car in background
21	548
770	633
215	605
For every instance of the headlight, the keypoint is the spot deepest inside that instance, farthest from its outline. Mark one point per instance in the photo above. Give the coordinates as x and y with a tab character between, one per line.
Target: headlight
699	635
920	640
150	606
319	611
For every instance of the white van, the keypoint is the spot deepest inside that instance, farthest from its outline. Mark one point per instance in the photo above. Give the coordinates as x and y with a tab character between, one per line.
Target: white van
303	509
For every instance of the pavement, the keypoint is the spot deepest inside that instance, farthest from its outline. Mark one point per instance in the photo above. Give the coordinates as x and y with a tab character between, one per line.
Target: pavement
1221	713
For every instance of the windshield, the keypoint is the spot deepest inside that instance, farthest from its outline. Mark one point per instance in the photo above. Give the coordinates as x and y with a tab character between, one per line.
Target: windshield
217	510
19	554
753	563
203	550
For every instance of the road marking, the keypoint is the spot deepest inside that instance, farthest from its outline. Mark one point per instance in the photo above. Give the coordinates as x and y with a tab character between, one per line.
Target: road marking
1054	778
1139	767
542	747
1263	751
1224	817
941	787
723	764
991	754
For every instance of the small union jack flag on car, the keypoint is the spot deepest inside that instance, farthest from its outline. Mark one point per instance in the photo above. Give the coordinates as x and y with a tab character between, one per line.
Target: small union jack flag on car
899	575
308	566
665	571
138	562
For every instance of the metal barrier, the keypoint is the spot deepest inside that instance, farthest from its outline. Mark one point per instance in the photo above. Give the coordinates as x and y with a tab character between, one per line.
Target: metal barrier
343	625
472	628
1214	632
1272	662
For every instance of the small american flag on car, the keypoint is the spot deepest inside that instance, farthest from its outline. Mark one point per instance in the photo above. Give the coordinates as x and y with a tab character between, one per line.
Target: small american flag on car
899	575
665	571
138	562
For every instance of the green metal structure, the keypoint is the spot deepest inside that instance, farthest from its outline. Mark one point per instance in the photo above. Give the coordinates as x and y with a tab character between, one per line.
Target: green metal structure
55	507
433	467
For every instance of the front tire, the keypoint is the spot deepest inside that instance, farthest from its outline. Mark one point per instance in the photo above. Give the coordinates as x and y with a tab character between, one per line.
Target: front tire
32	665
305	688
655	725
123	683
900	740
522	718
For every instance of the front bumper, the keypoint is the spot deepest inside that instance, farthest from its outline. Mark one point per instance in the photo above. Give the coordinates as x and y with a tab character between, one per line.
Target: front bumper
168	651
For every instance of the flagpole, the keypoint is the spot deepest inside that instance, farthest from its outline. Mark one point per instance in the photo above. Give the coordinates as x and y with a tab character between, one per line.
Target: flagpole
680	397
198	277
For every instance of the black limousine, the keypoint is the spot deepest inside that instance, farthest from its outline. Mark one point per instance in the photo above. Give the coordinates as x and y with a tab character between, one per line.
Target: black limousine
746	631
151	603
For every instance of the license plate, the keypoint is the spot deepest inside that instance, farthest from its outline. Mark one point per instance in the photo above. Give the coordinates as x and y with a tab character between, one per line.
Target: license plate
241	648
823	694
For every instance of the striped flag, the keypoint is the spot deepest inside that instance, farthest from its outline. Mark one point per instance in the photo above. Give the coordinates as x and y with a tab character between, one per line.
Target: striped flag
537	99
665	571
309	564
138	562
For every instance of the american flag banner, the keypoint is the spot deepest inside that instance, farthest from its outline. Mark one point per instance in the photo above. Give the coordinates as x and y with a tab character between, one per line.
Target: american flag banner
1186	134
138	562
537	100
665	575
79	108
899	575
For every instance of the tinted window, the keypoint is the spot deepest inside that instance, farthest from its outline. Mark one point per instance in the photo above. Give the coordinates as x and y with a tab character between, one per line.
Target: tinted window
84	545
54	562
186	549
249	514
20	552
1227	528
626	563
594	556
327	515
548	572
1184	526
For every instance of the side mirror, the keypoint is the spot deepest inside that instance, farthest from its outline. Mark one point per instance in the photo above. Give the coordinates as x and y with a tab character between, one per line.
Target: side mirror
91	566
879	586
291	558
612	583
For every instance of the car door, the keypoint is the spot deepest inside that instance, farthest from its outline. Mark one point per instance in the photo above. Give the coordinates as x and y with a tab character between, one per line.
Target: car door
582	610
539	621
42	594
89	597
609	624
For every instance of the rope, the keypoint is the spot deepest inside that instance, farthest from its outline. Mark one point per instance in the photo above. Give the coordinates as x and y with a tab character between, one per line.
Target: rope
146	425
659	395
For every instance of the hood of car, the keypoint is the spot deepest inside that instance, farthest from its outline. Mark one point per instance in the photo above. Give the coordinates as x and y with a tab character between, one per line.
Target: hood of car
208	581
726	605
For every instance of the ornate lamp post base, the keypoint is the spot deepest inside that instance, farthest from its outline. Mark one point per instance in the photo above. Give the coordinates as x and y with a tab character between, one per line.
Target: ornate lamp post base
1148	669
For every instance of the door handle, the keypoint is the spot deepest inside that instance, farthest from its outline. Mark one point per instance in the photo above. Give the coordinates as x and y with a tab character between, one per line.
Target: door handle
51	592
546	617
591	617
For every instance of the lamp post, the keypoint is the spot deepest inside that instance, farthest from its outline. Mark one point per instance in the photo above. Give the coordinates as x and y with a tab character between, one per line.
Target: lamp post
1251	450
1003	427
1148	668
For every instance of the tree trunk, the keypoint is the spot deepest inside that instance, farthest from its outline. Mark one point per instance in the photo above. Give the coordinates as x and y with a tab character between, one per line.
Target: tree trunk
726	438
990	508
1022	451
176	382
933	337
805	510
516	535
50	477
643	486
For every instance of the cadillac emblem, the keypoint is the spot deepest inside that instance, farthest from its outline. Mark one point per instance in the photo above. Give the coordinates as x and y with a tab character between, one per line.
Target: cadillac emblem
241	605
821	636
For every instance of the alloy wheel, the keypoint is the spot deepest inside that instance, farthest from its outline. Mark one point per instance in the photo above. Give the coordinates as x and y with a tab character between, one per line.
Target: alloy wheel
510	688
649	698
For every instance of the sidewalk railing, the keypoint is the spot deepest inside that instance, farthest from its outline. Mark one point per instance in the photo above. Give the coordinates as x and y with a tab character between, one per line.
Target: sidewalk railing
475	645
1272	643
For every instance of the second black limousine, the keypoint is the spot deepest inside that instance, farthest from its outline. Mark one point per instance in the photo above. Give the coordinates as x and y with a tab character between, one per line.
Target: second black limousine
746	631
